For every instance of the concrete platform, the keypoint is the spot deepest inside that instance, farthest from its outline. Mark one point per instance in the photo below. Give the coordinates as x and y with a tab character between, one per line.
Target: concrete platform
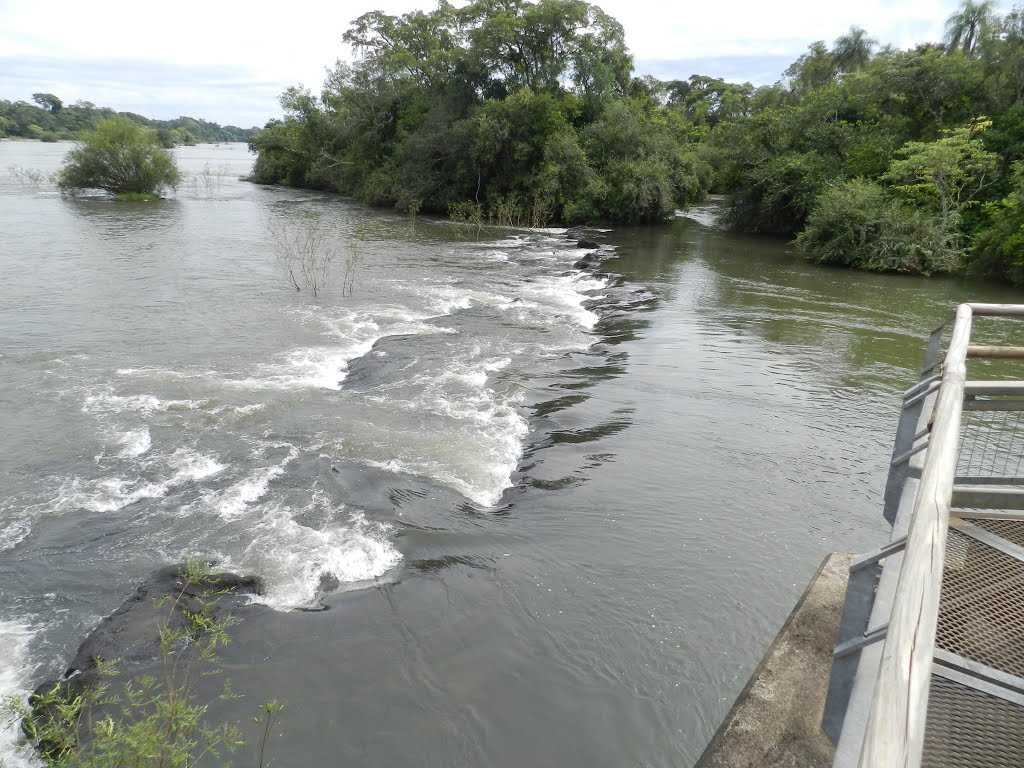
776	721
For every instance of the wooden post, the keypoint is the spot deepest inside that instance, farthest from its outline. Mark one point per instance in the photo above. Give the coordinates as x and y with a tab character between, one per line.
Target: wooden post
894	737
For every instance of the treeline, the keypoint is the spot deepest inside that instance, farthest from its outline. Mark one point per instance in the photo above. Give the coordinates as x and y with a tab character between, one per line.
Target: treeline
49	119
529	112
888	160
519	112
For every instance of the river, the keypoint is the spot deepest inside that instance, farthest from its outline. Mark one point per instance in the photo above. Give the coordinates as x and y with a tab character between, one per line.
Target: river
535	515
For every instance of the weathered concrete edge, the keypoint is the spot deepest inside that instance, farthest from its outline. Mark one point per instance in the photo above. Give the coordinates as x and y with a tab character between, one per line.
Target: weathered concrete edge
779	745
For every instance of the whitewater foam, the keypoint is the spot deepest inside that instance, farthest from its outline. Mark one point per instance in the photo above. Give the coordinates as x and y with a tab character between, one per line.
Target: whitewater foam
14	531
296	558
136	442
233	501
107	402
488	432
15	639
109	494
563	296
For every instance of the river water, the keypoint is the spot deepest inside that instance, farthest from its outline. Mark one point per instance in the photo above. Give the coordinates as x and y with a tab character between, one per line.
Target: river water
535	515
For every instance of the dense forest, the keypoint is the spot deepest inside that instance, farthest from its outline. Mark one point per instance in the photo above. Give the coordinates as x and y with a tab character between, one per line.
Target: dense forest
522	112
529	112
49	119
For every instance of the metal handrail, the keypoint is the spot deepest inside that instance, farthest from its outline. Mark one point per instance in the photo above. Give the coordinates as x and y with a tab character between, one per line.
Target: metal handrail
894	734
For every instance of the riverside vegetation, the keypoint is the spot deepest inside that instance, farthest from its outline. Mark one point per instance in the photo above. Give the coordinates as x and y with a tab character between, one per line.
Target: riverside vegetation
155	719
529	112
50	119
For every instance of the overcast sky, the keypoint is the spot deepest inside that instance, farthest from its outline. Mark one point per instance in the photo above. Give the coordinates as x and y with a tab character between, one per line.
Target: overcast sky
228	61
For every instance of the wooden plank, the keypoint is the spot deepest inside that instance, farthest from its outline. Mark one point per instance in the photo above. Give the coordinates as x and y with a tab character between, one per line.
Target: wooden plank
994	388
988	480
968	497
894	737
997	353
997	310
1001	404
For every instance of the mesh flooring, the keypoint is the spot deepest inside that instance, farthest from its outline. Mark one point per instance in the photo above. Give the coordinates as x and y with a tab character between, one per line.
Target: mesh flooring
981	608
1011	530
967	728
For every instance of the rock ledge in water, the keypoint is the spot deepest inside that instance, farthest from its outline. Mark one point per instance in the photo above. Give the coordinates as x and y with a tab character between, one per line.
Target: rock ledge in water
132	632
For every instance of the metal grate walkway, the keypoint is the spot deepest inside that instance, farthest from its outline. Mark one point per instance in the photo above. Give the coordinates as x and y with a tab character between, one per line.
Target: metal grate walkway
929	669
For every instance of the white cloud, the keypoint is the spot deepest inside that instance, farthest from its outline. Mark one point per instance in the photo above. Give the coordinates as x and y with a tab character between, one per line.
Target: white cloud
222	60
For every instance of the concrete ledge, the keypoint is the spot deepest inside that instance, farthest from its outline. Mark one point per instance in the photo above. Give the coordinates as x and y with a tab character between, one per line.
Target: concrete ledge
776	721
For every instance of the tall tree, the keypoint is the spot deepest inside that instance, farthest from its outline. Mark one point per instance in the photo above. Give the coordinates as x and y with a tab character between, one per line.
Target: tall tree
48	101
852	50
968	26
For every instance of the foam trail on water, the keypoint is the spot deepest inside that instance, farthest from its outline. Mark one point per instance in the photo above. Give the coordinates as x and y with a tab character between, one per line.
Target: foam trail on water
109	494
233	501
144	404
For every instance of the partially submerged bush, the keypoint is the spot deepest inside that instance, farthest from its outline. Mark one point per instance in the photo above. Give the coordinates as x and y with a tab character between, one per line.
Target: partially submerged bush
858	224
119	157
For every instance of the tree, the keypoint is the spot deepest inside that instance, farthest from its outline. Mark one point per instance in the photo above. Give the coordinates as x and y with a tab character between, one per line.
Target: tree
966	27
120	157
815	69
48	102
852	50
947	173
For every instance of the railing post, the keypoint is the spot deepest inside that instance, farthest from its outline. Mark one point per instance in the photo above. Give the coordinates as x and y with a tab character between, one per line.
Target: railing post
894	737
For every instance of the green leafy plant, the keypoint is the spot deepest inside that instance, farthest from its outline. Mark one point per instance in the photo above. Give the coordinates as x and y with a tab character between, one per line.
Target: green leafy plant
153	720
120	157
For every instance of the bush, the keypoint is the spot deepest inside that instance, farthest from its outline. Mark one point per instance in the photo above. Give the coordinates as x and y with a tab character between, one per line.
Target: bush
857	224
119	157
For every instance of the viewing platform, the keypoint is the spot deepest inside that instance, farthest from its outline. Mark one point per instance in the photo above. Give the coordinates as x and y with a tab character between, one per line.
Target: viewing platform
928	666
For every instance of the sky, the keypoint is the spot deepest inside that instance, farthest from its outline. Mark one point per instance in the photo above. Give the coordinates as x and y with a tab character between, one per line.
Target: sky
229	62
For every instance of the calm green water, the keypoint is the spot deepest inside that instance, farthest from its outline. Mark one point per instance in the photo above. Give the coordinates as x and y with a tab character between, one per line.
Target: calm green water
554	517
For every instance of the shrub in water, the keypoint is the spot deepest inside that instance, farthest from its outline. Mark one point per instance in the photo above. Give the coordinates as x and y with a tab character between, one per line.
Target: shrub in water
119	157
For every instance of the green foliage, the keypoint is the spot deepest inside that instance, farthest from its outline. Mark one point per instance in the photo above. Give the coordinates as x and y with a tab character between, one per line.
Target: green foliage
154	720
527	109
48	101
971	25
858	224
925	138
50	119
121	158
945	174
999	250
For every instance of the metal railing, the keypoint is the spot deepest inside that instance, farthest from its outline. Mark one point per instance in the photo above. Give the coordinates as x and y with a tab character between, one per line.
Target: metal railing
943	467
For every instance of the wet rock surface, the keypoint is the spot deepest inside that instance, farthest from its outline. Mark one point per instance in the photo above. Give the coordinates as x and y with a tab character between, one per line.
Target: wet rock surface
131	634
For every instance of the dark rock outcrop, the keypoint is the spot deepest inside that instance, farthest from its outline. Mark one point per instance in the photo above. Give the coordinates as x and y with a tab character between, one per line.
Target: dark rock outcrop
589	261
131	634
584	242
